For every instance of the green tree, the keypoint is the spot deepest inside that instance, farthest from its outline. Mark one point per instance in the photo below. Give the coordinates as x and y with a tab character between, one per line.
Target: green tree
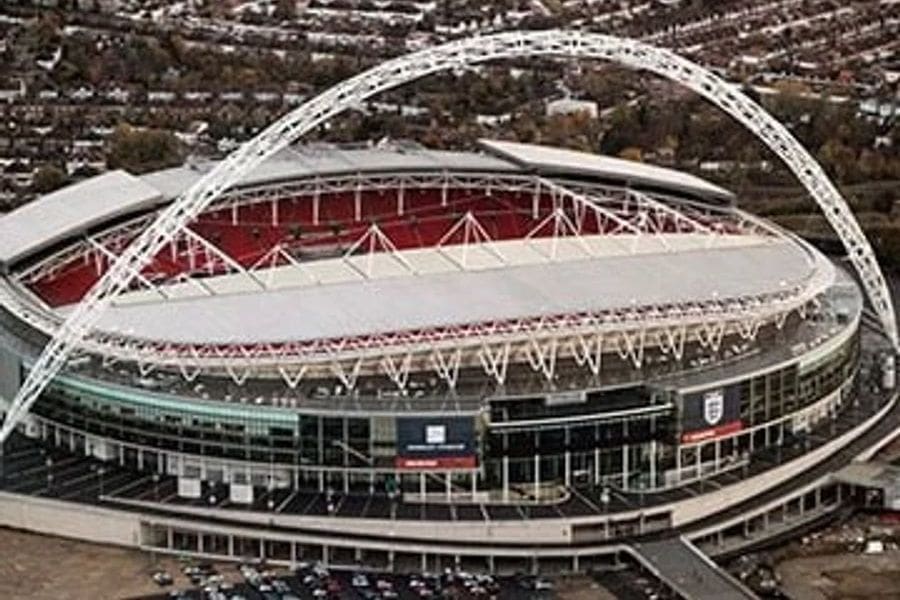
286	10
48	178
142	150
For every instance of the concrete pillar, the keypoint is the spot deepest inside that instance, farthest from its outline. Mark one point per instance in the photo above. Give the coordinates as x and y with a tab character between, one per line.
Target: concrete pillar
537	476
575	566
504	462
699	451
230	545
678	463
448	478
422	486
625	467
424	563
567	466
717	446
325	554
390	567
490	562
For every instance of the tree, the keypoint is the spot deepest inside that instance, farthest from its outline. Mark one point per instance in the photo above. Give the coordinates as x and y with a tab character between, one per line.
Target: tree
839	160
631	153
48	178
286	10
142	150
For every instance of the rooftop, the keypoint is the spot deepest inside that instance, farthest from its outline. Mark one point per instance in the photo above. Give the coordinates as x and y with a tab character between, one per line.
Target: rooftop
425	300
559	161
80	207
75	208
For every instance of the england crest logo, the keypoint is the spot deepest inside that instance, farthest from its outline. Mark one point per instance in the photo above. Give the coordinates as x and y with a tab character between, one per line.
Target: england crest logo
713	407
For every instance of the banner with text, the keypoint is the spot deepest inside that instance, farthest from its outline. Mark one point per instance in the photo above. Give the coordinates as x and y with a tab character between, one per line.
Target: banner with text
436	443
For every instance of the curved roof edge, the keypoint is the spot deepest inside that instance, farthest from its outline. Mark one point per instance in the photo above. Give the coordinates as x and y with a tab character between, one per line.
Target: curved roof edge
77	208
56	216
558	161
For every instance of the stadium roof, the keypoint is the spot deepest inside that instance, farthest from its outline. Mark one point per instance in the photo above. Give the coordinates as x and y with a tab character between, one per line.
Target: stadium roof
556	161
325	160
79	207
54	217
431	300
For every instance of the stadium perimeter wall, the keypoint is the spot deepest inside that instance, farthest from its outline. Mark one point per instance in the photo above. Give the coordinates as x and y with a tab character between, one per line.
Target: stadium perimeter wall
70	520
123	527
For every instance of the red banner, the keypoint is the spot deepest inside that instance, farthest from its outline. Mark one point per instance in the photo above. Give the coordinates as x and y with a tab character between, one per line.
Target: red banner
701	435
439	462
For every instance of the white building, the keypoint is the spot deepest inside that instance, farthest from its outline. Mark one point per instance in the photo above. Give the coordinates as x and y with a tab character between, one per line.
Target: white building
570	106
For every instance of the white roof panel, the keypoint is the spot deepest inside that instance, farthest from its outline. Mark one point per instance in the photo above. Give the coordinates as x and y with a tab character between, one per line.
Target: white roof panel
354	308
560	160
72	209
300	162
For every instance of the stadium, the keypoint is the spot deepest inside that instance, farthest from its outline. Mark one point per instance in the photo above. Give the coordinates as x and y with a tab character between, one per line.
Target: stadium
541	353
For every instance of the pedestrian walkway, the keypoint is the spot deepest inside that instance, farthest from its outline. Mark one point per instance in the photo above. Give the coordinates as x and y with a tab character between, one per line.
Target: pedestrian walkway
688	571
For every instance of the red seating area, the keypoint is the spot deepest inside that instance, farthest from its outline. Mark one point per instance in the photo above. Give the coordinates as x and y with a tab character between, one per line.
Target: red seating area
250	232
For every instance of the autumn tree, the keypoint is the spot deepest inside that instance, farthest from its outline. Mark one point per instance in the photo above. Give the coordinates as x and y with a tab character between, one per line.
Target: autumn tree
142	150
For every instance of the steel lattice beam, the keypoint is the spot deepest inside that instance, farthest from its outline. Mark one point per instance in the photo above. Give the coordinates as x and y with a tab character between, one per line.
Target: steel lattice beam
394	73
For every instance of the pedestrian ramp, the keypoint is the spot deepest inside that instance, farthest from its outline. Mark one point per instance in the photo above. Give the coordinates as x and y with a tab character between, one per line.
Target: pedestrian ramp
688	571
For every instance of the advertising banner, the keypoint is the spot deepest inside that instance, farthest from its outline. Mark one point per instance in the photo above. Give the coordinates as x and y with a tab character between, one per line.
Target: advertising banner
435	443
710	414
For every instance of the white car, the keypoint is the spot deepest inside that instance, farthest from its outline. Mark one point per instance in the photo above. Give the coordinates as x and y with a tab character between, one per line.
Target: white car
543	585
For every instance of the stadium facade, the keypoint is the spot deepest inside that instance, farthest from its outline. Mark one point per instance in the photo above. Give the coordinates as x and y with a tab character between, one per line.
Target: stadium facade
410	332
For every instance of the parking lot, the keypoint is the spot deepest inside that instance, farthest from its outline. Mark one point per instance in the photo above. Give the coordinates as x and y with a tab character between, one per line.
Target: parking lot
312	581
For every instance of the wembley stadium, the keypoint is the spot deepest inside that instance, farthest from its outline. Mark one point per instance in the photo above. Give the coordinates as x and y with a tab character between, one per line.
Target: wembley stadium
540	353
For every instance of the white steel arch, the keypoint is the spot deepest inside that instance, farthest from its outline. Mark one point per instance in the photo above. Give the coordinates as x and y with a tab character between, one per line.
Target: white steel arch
396	72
